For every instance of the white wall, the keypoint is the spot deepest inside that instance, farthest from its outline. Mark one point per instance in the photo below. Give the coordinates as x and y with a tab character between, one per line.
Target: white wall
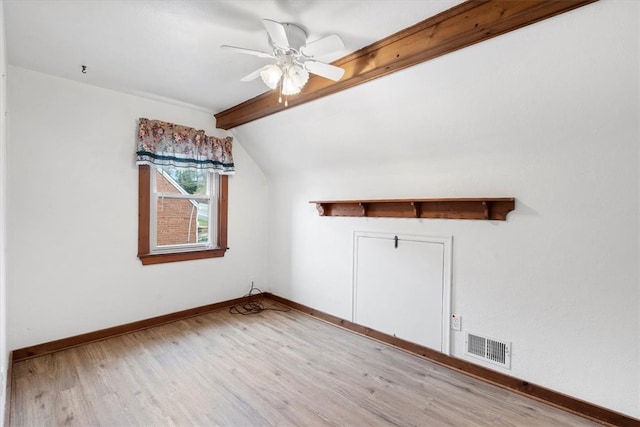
72	216
4	354
547	114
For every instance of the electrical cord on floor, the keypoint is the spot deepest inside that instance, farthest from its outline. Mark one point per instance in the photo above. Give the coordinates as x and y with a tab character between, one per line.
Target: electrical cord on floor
255	305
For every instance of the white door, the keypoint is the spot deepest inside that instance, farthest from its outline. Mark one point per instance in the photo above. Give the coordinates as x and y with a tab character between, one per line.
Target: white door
403	288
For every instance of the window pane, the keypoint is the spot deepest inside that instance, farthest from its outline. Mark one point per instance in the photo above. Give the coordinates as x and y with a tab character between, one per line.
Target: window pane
182	221
190	181
203	222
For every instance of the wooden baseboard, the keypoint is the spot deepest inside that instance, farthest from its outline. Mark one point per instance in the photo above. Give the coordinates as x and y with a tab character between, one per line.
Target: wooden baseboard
7	391
77	340
548	396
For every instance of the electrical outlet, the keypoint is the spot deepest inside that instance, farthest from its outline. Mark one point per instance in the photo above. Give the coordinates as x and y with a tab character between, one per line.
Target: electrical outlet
456	322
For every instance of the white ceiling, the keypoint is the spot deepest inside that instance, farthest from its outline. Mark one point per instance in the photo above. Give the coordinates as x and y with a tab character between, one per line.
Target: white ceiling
169	50
457	109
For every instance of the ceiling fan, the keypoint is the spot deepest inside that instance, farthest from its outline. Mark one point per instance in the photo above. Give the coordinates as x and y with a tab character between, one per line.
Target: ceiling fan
294	58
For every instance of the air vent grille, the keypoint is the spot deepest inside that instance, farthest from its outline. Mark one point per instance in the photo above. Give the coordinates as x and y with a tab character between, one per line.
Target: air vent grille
488	349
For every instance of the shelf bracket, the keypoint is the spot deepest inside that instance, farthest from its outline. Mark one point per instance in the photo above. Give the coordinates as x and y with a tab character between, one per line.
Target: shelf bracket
485	205
416	209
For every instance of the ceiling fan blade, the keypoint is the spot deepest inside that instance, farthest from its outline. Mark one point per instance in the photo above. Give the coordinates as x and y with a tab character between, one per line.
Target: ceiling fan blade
277	33
329	44
248	51
254	75
323	69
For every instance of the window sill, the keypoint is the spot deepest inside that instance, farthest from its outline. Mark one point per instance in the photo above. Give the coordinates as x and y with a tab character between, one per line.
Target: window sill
161	258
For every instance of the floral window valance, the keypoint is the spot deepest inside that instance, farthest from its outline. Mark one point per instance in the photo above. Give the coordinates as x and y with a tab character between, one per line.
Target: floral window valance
167	144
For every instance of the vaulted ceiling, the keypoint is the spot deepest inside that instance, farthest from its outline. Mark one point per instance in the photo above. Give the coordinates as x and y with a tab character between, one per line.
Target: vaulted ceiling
171	49
449	107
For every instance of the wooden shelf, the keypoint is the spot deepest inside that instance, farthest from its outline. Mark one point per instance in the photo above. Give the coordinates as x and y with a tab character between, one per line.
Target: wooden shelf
480	208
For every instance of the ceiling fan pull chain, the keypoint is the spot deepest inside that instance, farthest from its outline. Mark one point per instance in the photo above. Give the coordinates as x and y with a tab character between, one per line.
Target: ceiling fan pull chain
286	97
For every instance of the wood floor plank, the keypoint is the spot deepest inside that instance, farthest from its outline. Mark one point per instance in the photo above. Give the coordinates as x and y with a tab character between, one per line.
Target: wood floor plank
271	368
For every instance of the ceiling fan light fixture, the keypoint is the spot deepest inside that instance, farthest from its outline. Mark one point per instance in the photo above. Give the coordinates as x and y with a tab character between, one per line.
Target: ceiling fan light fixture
271	75
295	77
289	78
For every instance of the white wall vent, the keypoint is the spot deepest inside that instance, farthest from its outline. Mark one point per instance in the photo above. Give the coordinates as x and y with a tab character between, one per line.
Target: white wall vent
488	349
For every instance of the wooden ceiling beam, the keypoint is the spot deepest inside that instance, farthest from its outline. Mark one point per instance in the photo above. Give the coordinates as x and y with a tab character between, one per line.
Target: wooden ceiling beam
463	25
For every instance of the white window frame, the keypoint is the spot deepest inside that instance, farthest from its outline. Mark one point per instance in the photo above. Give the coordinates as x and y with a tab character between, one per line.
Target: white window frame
211	196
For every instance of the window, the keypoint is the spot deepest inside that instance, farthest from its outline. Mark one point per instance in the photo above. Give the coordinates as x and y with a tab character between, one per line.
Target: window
182	192
182	214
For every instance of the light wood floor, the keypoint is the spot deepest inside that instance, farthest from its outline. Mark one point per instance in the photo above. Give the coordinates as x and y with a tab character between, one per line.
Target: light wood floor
272	368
